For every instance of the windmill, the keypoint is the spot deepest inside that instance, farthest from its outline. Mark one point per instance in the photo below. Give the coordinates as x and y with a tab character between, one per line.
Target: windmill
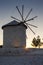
24	21
14	33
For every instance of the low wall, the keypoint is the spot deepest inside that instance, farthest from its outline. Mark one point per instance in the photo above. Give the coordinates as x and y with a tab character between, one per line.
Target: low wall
20	51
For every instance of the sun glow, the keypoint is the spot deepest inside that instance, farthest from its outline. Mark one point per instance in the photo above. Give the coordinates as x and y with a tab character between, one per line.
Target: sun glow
28	43
29	39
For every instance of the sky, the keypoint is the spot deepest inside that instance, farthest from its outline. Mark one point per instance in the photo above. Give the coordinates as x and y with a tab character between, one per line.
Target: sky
8	8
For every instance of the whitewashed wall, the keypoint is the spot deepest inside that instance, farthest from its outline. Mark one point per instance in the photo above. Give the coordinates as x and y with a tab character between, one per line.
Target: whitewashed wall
14	36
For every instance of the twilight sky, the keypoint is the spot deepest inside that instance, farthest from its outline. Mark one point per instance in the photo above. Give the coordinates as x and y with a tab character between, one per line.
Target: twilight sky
8	8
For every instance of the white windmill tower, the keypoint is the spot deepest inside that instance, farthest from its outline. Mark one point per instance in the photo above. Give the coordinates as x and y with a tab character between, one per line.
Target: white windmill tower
14	33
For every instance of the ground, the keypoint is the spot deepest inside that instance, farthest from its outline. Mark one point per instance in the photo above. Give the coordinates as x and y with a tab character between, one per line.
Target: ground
30	57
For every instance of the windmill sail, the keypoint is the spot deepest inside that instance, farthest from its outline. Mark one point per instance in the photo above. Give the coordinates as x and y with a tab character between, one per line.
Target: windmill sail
24	21
15	18
19	11
28	14
22	12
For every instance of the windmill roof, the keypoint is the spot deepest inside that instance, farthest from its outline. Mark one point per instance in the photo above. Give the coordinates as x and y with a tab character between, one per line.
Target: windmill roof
12	23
